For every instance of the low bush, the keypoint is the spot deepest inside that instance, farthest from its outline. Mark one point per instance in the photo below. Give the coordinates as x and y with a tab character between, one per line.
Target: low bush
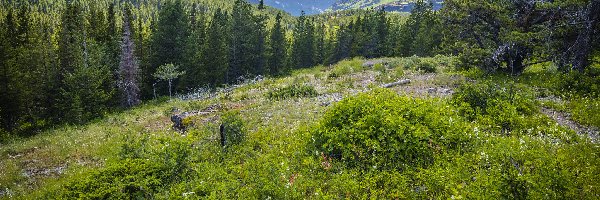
381	130
165	163
292	91
504	108
586	111
427	67
346	67
583	84
233	131
127	179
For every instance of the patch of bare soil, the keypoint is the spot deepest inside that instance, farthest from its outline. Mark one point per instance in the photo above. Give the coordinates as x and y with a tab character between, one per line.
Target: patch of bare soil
430	85
564	119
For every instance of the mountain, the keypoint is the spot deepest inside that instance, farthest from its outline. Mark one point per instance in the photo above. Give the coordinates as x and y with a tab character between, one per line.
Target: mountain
389	5
295	7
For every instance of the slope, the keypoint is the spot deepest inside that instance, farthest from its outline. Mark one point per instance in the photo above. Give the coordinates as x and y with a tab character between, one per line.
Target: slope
137	154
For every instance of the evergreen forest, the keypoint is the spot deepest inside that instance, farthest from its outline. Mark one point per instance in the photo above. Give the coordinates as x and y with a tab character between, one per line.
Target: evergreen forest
230	99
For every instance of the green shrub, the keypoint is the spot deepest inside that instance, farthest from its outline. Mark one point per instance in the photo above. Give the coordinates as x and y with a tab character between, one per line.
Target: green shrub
133	178
126	179
427	67
380	68
381	130
507	109
586	111
234	130
4	136
583	84
292	91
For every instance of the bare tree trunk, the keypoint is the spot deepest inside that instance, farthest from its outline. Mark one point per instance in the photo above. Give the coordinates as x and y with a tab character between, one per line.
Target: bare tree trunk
170	88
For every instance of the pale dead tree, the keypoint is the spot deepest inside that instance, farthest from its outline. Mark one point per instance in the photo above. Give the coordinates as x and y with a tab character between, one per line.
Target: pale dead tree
128	68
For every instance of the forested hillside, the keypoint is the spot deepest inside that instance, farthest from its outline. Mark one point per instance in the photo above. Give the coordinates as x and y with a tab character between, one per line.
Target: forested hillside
70	63
236	99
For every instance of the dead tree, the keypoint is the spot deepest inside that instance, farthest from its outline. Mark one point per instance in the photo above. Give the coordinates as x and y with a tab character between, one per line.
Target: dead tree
128	68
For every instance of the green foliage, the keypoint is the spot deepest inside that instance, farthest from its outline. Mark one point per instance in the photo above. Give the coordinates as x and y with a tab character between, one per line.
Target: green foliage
143	172
127	179
234	129
346	67
506	109
381	130
296	90
426	67
583	84
586	111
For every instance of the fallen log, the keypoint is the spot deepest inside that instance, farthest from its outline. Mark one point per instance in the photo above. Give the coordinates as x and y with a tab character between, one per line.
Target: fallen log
394	84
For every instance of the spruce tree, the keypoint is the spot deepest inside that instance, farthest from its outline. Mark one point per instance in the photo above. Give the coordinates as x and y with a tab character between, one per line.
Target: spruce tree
215	60
247	42
277	54
82	74
193	53
303	46
168	41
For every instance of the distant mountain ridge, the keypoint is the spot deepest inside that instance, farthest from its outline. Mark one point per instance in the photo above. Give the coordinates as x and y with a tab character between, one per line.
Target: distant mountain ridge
295	7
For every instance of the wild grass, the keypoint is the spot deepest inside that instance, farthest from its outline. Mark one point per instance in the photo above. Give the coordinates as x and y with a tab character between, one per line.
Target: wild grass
277	157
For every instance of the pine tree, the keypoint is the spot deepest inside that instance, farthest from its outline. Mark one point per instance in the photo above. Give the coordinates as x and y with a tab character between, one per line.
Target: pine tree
194	49
8	73
215	60
303	47
168	41
128	68
247	42
82	74
344	43
261	5
277	55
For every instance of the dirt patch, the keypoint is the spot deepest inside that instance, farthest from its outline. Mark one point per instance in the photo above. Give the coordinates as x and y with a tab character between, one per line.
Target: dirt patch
430	85
564	119
328	99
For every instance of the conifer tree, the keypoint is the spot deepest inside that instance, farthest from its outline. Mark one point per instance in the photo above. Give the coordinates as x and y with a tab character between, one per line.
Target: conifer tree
247	41
277	54
215	56
168	41
194	49
303	46
82	74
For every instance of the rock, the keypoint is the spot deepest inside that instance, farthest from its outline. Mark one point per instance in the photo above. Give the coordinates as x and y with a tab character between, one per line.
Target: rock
432	90
369	64
394	84
178	122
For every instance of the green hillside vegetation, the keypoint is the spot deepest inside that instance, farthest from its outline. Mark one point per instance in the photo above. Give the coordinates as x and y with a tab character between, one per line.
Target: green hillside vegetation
348	138
203	99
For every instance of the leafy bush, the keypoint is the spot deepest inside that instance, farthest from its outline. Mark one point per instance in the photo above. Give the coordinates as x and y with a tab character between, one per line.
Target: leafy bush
584	84
346	67
133	178
292	91
4	136
503	108
381	130
427	67
128	179
233	131
586	111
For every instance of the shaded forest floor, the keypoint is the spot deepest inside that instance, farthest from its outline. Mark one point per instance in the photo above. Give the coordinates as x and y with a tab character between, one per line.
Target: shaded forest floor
275	159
